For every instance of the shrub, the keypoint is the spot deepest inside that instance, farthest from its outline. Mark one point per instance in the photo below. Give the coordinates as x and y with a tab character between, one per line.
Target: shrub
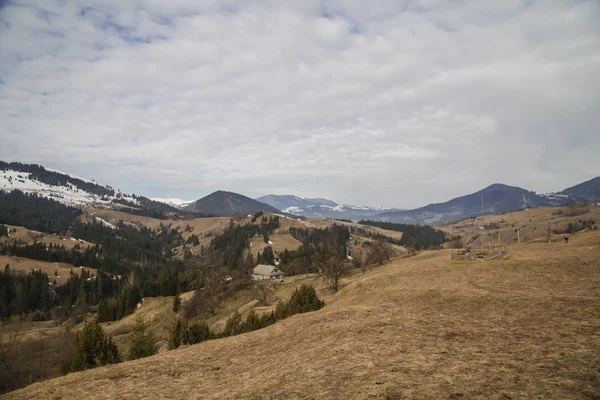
198	332
304	300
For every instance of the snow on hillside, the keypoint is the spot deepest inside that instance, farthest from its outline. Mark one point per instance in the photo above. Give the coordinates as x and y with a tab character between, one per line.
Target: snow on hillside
69	194
173	201
68	174
292	210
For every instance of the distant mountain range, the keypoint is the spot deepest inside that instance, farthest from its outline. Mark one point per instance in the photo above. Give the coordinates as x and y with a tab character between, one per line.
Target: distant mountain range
497	199
73	190
320	208
227	204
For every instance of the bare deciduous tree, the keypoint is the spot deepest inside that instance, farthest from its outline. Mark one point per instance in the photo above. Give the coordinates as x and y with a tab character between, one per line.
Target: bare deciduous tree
9	345
380	252
334	269
263	292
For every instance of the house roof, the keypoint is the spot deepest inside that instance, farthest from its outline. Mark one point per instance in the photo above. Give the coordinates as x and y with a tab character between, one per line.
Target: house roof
268	270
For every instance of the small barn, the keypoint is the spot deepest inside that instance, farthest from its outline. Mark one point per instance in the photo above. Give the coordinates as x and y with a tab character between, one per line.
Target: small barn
267	272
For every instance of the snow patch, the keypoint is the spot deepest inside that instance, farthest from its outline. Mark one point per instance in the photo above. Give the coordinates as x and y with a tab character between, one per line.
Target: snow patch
175	202
69	194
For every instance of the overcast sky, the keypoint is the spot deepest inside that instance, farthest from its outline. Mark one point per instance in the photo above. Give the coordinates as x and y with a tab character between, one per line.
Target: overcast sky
381	103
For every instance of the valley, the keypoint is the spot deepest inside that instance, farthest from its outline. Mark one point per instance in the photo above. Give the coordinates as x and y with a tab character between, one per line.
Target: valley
422	327
402	318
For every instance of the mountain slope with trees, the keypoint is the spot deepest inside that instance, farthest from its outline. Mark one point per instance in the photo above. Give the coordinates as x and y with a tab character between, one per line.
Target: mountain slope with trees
588	190
497	199
229	204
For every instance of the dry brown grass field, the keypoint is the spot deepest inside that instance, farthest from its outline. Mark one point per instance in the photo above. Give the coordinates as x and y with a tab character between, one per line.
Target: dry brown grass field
279	243
199	226
24	235
26	265
533	225
426	327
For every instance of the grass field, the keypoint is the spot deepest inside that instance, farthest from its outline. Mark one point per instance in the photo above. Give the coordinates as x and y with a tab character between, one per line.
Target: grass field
24	235
526	326
532	225
26	265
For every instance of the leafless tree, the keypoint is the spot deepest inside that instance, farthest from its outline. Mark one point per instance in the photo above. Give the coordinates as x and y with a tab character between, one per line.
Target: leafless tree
380	252
9	345
263	292
334	269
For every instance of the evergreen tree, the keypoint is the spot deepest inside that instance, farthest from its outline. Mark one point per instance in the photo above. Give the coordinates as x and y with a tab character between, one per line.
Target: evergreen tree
143	343
176	303
175	335
92	349
304	300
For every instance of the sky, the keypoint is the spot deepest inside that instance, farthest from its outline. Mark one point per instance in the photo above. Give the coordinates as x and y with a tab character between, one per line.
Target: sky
381	103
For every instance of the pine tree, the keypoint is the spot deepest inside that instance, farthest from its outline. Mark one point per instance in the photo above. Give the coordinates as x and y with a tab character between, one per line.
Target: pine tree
92	349
175	335
143	343
176	303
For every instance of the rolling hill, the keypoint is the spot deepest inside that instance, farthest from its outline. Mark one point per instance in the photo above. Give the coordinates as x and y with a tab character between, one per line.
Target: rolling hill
424	327
227	204
497	199
72	190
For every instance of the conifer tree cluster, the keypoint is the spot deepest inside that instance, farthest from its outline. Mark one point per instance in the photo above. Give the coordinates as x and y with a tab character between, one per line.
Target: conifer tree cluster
24	293
303	300
184	333
232	242
116	308
36	212
415	236
318	247
93	348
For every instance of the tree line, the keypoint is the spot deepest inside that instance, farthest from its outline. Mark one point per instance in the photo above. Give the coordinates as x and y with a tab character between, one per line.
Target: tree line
303	300
35	212
41	174
414	236
319	247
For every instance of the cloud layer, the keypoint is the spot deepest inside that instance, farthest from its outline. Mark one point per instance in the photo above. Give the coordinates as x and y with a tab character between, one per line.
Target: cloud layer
381	103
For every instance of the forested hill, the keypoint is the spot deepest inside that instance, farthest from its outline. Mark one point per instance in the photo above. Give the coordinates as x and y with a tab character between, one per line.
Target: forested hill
75	191
497	199
588	190
229	204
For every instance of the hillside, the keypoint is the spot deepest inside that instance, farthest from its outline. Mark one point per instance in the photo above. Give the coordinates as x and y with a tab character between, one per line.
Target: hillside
422	327
527	225
588	190
497	199
227	204
73	190
320	208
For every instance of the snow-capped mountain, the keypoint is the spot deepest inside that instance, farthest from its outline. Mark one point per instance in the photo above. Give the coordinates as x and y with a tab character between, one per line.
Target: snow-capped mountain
320	208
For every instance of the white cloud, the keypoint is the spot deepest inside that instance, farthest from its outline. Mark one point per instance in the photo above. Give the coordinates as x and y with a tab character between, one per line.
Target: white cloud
394	103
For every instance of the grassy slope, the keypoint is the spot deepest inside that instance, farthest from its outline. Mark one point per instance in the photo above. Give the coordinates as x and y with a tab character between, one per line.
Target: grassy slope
533	224
26	265
29	236
425	327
